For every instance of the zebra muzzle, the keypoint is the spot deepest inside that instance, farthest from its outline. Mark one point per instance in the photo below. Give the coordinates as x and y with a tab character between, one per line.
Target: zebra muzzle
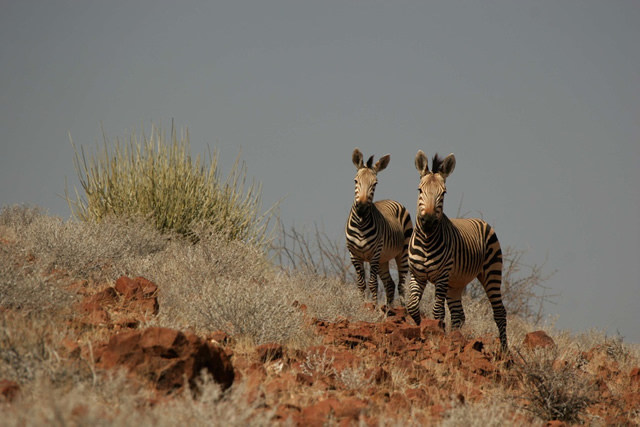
361	208
428	222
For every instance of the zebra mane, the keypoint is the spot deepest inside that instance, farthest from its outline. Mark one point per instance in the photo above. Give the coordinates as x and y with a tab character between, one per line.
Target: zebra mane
370	162
436	163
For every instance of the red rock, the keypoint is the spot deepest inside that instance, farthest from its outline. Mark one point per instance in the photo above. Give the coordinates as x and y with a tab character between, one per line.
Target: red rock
430	327
632	400
381	376
409	332
80	410
351	408
417	395
458	340
555	423
128	288
397	343
602	388
481	365
474	345
396	315
437	410
538	339
71	347
634	375
268	352
304	379
106	297
370	306
127	322
166	357
288	412
399	403
219	337
148	287
98	317
318	413
9	390
147	305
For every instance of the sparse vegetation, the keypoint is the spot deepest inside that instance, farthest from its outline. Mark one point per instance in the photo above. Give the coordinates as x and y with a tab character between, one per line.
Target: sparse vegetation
221	278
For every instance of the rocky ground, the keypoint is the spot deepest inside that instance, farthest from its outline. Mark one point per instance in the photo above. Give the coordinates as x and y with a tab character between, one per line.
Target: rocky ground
362	373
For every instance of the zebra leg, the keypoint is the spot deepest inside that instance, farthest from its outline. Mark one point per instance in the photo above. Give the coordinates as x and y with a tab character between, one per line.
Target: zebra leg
438	305
374	265
491	282
402	262
358	264
389	285
454	301
416	289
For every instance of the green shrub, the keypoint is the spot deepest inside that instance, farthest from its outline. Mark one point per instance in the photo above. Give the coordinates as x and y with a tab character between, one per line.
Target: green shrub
156	177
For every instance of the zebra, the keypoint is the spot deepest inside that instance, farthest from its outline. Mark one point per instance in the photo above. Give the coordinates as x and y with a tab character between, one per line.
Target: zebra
377	232
450	253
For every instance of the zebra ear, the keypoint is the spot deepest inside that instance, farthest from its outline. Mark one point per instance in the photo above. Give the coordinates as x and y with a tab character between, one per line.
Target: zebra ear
370	162
421	163
356	158
448	165
382	163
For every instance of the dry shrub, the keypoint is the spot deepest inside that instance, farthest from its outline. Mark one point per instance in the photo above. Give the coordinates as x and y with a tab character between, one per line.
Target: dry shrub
24	287
29	342
155	177
317	254
327	298
87	250
221	284
24	283
523	292
553	388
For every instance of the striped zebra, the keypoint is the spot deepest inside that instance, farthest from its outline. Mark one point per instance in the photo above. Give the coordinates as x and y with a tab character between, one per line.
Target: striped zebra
377	232
450	253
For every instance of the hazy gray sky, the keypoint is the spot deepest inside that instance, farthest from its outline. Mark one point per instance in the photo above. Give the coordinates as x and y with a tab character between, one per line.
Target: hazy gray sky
540	102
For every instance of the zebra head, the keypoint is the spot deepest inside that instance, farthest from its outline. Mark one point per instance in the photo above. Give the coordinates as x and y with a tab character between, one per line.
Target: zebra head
366	179
432	188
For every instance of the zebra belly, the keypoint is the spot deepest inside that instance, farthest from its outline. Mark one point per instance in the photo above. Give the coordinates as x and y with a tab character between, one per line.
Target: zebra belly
460	281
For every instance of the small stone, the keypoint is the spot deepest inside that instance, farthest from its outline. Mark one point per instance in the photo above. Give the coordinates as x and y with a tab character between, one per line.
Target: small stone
538	339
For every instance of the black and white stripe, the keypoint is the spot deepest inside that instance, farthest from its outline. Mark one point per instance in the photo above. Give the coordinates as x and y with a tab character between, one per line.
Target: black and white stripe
377	232
450	253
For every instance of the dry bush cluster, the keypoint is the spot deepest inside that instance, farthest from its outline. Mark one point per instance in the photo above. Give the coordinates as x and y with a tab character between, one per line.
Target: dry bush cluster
553	388
156	177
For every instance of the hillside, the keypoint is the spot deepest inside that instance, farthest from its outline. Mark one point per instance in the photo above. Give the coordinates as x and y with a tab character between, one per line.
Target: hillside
118	324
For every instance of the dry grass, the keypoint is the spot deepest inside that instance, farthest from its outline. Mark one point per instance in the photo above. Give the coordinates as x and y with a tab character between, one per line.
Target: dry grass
113	400
231	285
